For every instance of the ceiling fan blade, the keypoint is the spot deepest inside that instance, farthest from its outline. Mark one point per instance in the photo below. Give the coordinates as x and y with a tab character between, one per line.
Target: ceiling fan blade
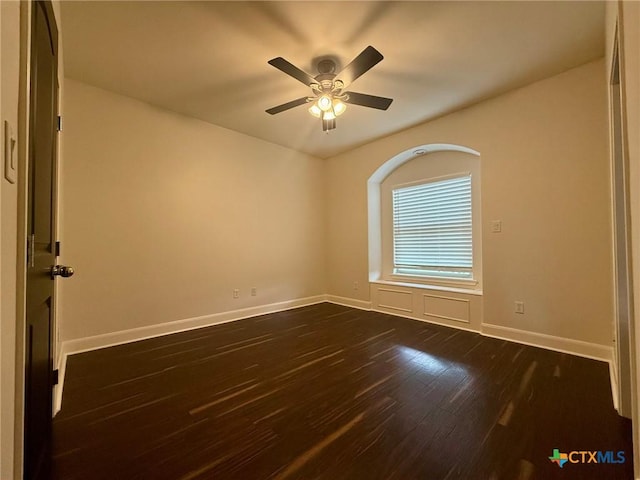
381	103
359	65
287	106
291	70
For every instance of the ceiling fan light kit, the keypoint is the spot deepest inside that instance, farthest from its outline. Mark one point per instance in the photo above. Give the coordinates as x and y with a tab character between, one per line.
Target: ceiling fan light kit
327	108
329	97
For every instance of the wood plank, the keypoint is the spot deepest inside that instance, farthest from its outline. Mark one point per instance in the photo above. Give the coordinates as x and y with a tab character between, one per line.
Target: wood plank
331	392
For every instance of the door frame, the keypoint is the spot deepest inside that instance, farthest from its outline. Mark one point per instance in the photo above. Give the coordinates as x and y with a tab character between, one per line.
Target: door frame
621	223
617	56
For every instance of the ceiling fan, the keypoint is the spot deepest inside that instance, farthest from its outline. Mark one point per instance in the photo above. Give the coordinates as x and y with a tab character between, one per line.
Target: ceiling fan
329	94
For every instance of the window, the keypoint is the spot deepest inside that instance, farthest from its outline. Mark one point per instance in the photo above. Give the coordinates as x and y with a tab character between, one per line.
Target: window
425	219
432	228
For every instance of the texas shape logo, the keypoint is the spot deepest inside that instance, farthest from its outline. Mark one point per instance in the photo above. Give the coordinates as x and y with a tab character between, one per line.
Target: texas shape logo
559	458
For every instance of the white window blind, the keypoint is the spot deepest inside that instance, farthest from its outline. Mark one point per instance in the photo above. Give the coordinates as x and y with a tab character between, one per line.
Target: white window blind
432	233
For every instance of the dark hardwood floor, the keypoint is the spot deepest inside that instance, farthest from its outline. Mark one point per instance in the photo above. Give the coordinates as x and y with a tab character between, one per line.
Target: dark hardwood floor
330	392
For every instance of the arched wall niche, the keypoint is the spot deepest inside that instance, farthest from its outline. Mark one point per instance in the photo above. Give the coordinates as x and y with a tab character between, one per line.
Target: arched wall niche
374	195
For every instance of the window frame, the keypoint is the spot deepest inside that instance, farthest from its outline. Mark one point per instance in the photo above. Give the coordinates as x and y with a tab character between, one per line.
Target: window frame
452	279
424	162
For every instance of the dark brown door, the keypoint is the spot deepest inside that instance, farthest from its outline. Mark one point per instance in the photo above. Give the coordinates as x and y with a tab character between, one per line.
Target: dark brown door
40	231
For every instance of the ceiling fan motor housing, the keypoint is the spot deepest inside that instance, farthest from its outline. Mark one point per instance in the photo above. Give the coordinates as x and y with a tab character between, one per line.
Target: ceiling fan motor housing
326	66
326	73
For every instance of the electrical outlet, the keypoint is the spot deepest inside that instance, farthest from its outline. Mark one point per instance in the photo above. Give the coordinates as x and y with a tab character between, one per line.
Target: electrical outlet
356	285
236	293
519	307
254	291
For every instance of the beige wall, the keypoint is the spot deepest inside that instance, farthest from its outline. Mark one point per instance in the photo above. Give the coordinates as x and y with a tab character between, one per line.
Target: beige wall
545	174
165	215
10	44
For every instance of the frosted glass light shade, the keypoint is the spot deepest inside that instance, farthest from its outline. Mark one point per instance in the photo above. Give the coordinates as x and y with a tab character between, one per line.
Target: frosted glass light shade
315	110
325	103
328	115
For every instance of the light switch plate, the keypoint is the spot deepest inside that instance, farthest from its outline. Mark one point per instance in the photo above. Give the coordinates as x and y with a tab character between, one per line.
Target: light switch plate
496	226
10	157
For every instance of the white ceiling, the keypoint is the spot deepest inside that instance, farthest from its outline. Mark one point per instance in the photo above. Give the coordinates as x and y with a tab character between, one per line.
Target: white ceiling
209	59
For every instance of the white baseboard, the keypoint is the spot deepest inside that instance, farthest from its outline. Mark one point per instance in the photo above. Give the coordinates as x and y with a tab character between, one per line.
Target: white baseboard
613	377
95	342
79	345
550	342
349	302
57	390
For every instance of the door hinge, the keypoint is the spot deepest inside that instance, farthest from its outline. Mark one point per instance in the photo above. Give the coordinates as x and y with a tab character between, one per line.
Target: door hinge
56	251
54	377
31	250
59	126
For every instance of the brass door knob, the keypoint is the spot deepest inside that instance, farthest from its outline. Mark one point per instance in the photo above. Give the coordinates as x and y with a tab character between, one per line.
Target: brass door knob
62	271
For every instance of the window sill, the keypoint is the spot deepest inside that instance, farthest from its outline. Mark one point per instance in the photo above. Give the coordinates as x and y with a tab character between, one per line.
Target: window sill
427	286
